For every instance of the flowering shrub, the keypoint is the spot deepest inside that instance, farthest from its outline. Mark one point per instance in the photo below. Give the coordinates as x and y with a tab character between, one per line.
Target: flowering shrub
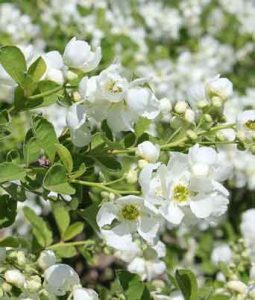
126	164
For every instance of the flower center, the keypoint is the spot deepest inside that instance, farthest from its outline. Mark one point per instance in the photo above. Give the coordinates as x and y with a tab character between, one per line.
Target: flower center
180	193
113	87
130	212
250	124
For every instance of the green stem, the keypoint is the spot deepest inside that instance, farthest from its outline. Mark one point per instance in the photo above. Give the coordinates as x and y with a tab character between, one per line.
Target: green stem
103	187
73	244
47	93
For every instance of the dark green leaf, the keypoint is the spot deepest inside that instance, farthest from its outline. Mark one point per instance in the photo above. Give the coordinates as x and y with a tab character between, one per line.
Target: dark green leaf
187	283
56	180
37	69
8	211
65	157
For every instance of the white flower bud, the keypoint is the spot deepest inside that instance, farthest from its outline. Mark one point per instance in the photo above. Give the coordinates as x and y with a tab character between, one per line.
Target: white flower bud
142	163
132	176
148	151
217	102
237	286
46	259
60	279
78	55
180	107
220	87
15	277
84	294
21	258
189	115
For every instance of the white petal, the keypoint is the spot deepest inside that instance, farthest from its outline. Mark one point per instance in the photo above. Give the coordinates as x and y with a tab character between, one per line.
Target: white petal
172	213
202	208
106	214
148	229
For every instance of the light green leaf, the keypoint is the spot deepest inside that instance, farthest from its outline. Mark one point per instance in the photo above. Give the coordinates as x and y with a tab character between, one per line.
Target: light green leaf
45	135
73	230
10	171
79	172
62	218
65	157
56	180
141	126
14	63
37	69
39	227
4	117
187	283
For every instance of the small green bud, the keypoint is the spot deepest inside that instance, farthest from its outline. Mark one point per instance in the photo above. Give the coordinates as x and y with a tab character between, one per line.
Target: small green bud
217	102
191	134
208	118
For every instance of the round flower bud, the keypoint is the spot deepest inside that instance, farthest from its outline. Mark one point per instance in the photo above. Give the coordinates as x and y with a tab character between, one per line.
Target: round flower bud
191	134
189	115
78	55
165	105
46	259
142	163
60	279
21	258
132	176
237	286
217	102
221	87
15	277
148	151
180	107
84	294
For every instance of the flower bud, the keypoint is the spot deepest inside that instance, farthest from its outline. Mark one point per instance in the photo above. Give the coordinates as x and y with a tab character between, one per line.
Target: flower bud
217	102
132	176
15	277
165	105
180	107
191	134
60	279
237	286
142	163
46	259
208	118
78	55
221	87
189	115
148	151
21	258
84	294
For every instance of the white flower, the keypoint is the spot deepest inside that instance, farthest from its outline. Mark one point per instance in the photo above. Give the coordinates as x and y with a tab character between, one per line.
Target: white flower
220	87
248	231
77	123
196	95
46	259
15	277
246	124
148	151
110	96
222	253
131	217
84	294
237	286
174	191
173	296
78	55
55	67
60	279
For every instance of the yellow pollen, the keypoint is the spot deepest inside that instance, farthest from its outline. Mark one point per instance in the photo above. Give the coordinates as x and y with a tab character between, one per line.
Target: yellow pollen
113	87
130	212
180	193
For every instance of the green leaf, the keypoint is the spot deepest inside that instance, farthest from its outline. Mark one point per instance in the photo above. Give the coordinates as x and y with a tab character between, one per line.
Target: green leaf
108	162
141	126
14	63
40	228
187	283
62	218
13	242
10	171
65	157
31	150
65	251
56	180
89	214
16	191
45	135
37	69
73	230
8	211
132	286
